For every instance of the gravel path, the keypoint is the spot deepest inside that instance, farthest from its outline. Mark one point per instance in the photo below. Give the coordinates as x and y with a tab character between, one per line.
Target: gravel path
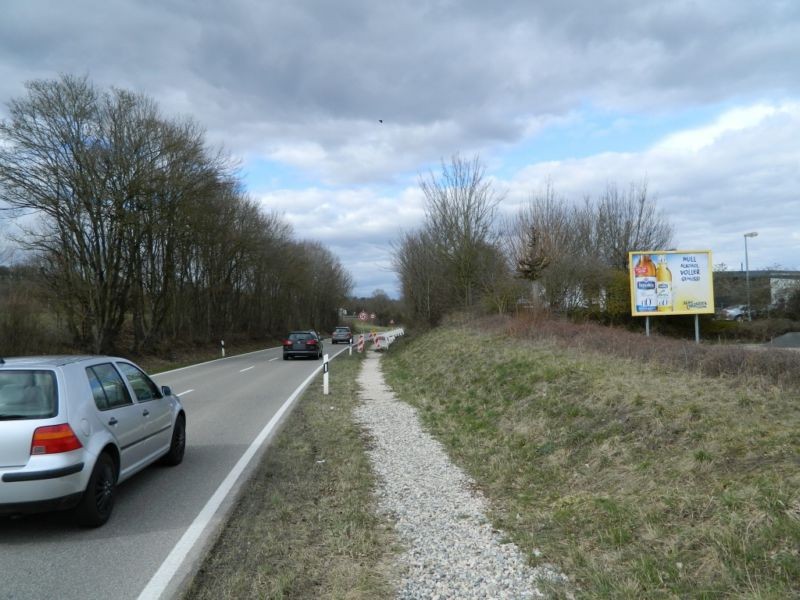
451	549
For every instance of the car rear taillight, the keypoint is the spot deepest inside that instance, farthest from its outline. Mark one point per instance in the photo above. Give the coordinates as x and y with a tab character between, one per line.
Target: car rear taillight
311	342
287	342
54	439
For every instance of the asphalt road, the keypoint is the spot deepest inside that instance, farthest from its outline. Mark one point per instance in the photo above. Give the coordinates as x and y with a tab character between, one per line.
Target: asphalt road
787	340
230	402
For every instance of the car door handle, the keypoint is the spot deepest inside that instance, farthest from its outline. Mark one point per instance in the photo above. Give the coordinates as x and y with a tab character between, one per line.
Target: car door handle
145	412
113	421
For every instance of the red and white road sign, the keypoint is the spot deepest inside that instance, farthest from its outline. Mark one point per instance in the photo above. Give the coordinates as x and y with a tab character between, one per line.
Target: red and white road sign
362	316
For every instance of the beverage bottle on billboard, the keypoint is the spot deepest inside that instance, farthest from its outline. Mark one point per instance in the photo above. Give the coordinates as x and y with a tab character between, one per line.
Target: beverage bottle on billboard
644	279
663	286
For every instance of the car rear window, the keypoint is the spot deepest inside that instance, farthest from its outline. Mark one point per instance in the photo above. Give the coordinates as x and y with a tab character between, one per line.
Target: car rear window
299	337
27	394
342	330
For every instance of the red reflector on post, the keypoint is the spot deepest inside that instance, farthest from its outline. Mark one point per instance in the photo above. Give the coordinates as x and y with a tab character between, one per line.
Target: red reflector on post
54	439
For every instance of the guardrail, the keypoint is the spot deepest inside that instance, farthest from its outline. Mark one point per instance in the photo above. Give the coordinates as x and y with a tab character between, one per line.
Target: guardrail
380	340
383	339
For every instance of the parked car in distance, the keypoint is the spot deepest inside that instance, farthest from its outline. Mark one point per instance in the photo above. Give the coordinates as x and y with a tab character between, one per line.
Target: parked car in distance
302	343
73	427
734	313
342	334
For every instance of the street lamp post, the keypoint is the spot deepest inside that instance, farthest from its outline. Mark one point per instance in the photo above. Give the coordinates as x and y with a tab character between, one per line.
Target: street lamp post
752	234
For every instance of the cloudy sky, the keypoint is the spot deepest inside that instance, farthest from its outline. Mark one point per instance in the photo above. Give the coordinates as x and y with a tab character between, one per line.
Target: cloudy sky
700	99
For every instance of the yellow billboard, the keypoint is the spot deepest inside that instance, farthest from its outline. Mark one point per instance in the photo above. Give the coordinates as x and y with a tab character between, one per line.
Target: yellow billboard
671	282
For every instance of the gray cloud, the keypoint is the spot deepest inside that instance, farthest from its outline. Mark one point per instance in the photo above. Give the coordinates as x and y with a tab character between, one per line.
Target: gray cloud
304	84
319	70
714	183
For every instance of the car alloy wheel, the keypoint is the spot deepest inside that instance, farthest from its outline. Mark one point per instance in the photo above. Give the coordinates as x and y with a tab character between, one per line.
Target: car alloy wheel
177	447
97	502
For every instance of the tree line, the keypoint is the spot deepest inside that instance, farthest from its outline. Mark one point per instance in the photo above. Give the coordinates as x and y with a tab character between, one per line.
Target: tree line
570	257
143	234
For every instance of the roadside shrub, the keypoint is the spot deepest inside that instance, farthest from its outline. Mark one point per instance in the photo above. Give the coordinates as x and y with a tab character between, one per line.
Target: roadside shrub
765	330
757	331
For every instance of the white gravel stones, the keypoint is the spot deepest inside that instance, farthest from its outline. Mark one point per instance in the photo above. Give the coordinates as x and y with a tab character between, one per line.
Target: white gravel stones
451	549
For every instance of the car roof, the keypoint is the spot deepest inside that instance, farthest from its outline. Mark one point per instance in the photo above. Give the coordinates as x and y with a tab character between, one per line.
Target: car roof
29	362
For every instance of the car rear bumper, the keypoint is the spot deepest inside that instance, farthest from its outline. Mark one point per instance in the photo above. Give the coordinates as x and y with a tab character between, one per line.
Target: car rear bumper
14	476
26	508
45	484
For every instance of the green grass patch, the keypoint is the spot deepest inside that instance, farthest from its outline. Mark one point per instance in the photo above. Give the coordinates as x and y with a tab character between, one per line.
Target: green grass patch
638	480
305	525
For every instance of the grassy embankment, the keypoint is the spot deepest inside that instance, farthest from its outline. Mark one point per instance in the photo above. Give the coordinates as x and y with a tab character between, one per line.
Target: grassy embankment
671	474
638	477
305	525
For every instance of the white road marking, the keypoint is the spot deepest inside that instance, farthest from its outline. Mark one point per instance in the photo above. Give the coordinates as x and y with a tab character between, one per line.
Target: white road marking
271	359
184	393
247	369
159	582
208	362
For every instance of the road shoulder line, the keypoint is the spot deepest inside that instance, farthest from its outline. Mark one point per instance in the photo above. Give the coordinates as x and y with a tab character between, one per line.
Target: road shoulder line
162	579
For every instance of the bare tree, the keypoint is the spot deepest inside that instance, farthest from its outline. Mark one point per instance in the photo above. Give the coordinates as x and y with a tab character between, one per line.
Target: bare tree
143	227
534	259
421	277
626	222
499	288
549	248
381	305
461	206
56	161
573	249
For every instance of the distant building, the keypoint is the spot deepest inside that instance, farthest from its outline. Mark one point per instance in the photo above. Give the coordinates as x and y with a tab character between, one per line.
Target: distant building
768	289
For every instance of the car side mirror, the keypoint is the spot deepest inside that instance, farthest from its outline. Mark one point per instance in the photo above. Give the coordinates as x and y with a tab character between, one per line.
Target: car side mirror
166	390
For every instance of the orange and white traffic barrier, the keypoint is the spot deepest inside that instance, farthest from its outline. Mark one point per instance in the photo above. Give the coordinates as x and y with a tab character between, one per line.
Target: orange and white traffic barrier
361	343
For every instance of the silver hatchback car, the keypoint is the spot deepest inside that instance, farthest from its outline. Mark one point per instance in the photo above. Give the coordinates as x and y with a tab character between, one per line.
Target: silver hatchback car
72	427
342	334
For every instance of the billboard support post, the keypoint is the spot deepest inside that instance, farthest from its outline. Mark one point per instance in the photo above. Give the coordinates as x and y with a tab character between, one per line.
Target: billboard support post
647	326
697	329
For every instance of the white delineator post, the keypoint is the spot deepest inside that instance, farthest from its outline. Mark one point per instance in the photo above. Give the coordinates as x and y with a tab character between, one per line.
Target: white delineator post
222	343
325	390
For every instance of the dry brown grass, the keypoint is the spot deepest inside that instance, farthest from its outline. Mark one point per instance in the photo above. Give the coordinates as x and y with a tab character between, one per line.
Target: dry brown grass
715	360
